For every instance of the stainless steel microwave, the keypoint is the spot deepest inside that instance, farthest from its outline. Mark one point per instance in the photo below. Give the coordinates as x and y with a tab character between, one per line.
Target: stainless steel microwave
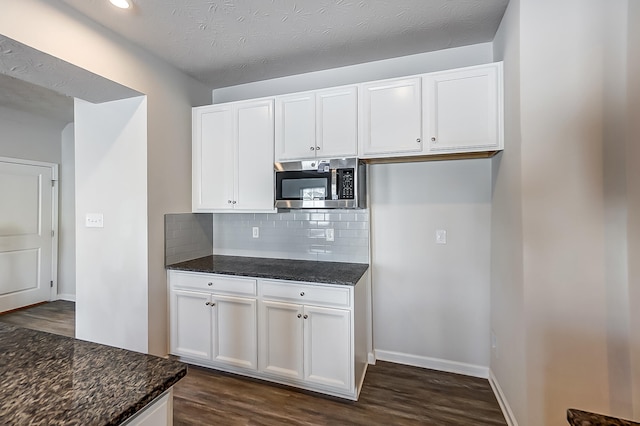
338	183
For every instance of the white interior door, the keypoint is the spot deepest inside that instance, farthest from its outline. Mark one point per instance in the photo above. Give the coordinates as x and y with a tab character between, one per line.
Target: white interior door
26	241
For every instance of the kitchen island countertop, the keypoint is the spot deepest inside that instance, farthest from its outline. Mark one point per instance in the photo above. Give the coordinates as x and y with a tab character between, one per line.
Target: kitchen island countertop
48	379
279	269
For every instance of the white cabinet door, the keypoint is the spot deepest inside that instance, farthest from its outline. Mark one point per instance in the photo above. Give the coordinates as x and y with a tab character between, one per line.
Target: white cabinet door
191	324
213	153
235	331
295	126
328	359
254	156
337	122
281	340
391	117
463	109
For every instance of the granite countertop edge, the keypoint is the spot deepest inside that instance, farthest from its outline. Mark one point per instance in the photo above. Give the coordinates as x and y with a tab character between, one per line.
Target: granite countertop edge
308	271
577	417
94	383
136	407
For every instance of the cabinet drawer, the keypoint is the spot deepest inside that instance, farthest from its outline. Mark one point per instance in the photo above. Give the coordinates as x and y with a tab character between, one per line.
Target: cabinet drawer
214	283
306	294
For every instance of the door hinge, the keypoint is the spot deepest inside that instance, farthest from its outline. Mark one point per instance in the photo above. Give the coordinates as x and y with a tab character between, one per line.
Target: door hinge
51	283
53	183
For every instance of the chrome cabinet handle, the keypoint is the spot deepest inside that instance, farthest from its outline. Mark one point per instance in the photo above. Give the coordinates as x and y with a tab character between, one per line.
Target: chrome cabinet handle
317	148
207	303
209	284
302	293
312	148
306	316
433	139
418	140
299	315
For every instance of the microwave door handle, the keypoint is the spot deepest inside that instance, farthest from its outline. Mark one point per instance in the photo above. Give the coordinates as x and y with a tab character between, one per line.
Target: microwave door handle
334	184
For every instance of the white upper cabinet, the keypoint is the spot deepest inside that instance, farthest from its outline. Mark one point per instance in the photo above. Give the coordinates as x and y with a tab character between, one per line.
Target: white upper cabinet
337	122
390	114
213	144
322	123
233	157
463	109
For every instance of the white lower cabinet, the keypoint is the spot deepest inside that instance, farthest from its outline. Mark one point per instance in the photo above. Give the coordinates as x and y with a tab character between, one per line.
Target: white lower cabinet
306	335
307	343
212	327
328	359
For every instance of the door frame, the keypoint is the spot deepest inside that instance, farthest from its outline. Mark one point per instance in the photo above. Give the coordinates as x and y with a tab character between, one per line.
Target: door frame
53	293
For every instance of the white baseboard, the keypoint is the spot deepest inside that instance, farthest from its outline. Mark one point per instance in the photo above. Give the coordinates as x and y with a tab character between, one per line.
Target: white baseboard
502	400
371	358
68	297
434	363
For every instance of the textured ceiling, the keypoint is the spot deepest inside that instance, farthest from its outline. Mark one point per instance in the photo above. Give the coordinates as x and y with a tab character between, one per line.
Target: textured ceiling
23	96
33	81
228	42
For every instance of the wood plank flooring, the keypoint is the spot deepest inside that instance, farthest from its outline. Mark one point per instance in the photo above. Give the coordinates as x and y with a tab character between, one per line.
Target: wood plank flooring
393	394
57	317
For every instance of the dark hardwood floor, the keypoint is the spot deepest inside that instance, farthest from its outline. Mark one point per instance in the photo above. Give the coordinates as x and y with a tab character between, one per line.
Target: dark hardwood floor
57	317
392	394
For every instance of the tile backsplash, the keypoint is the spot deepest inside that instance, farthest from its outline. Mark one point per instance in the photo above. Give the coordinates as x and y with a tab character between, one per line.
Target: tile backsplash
295	234
187	236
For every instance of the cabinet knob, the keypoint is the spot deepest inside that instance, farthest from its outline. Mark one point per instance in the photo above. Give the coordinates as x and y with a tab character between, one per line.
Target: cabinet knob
207	303
209	284
312	148
317	148
299	315
212	304
234	202
228	201
418	140
306	316
302	293
433	139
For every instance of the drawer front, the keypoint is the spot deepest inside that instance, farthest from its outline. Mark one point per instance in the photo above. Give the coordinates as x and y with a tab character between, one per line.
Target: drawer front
306	293
214	283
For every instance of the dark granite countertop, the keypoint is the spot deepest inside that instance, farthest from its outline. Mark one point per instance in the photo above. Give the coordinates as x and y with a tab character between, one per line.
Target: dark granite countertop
585	418
46	379
279	269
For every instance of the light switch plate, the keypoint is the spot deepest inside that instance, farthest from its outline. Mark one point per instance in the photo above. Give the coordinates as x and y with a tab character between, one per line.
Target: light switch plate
94	220
441	236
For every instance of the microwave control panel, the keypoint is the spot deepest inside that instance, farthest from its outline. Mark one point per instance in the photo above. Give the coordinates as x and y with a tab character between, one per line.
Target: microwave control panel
346	183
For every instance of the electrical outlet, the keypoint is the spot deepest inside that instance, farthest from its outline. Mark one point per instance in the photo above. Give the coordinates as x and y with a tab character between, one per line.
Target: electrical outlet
441	236
256	232
94	220
329	234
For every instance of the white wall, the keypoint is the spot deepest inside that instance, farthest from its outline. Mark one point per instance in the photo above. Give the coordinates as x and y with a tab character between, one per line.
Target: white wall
633	196
396	67
29	136
67	218
577	105
111	179
508	357
431	301
170	96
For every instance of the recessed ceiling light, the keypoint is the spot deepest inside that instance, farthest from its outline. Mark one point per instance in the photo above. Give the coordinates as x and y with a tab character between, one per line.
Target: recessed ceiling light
122	4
